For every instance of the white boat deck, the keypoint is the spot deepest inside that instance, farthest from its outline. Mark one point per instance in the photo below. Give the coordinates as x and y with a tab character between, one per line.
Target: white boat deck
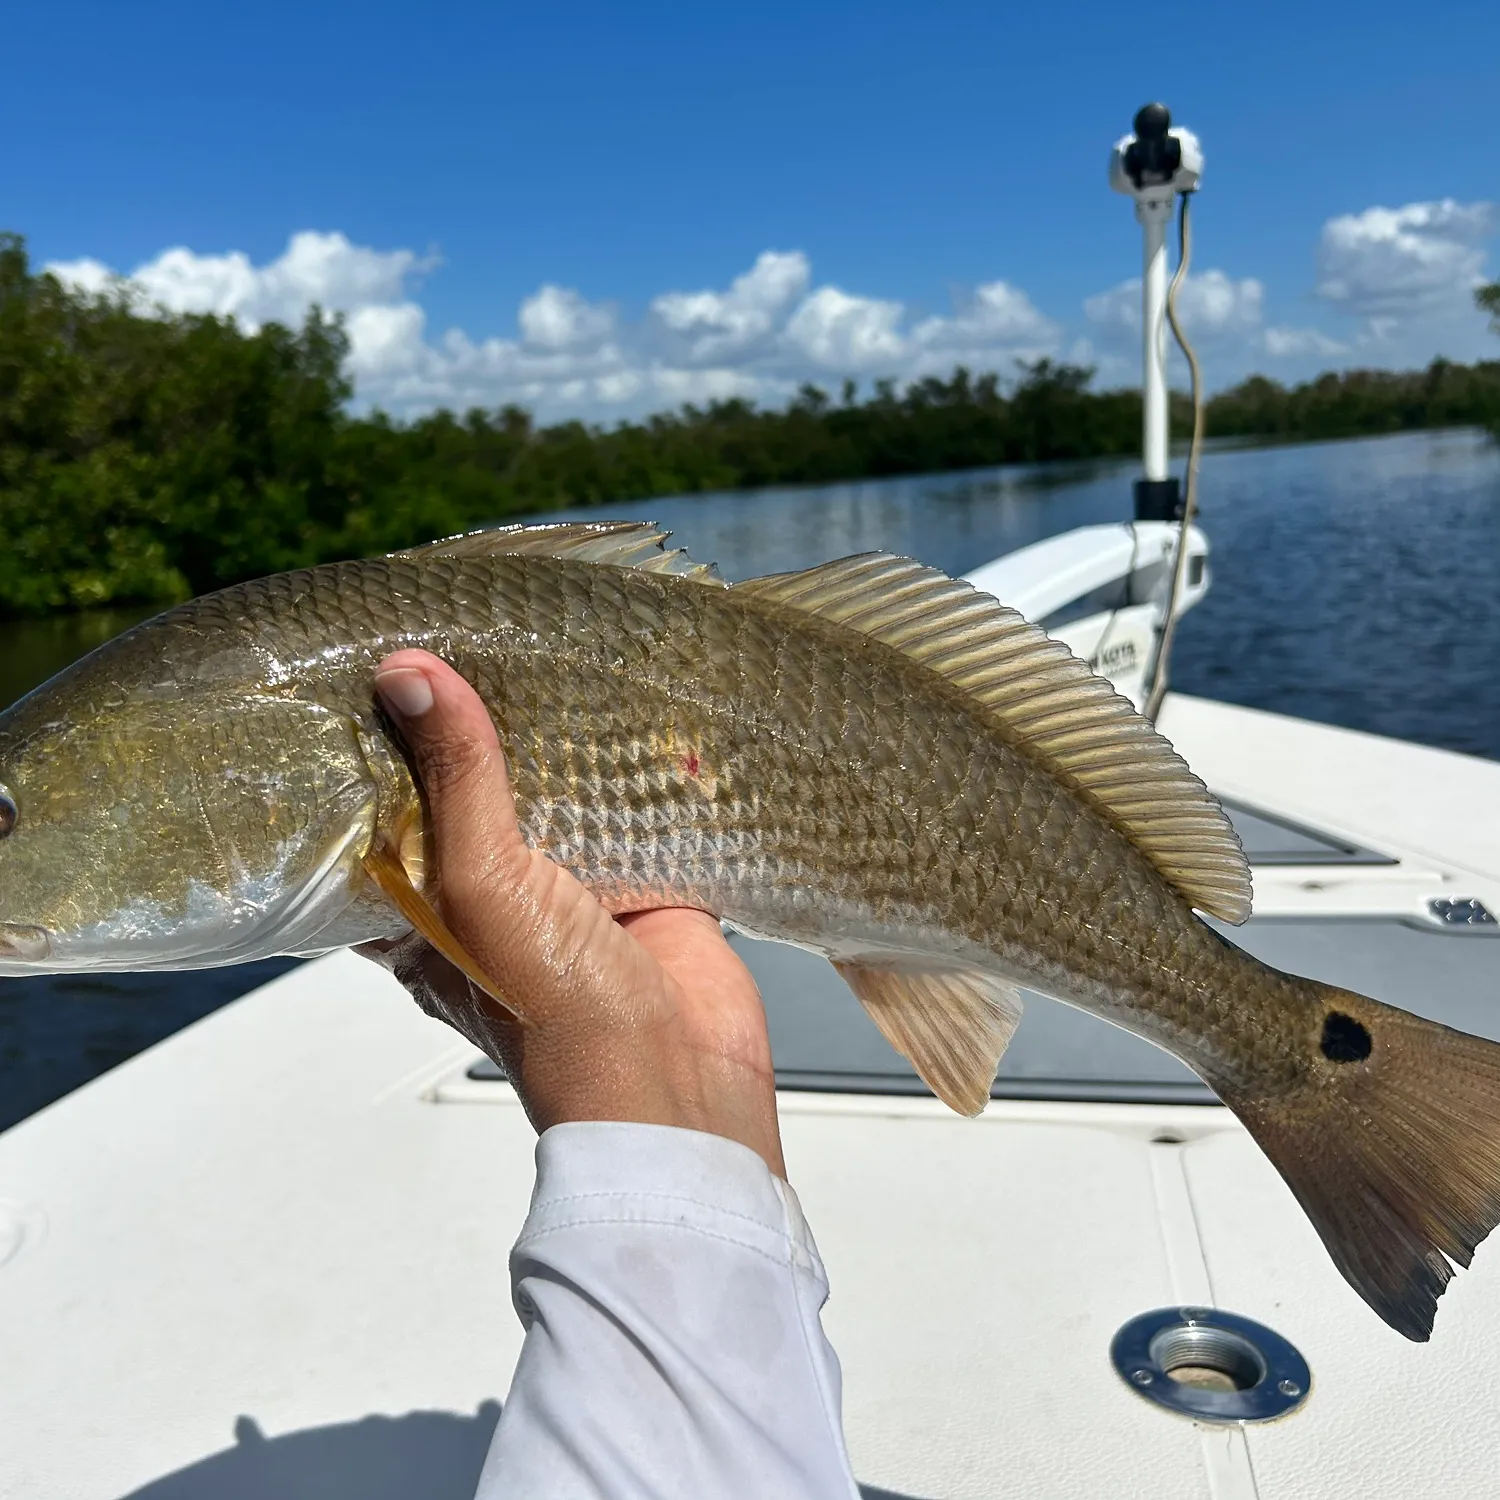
267	1257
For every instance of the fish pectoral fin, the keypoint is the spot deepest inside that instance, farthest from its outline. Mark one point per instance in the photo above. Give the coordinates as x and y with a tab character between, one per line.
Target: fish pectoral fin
384	867
952	1025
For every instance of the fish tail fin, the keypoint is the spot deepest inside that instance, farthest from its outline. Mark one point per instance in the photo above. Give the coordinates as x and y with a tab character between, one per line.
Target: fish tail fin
1392	1148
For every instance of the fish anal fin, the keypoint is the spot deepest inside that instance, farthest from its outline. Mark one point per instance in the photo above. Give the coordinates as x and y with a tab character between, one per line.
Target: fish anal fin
1041	699
384	867
615	544
952	1025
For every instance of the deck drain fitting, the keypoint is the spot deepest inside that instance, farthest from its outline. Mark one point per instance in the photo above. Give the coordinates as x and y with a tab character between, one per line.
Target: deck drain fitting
1209	1365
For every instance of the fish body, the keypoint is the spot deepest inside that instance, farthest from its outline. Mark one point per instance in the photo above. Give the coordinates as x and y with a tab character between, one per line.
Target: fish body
868	760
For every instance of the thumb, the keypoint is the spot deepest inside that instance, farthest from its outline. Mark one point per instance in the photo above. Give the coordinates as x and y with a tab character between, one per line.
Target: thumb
477	843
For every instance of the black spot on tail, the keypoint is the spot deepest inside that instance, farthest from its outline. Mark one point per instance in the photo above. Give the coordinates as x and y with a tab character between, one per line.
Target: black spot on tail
1344	1038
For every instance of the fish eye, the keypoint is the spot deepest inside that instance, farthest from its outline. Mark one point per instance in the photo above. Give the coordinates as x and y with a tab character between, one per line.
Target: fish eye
7	813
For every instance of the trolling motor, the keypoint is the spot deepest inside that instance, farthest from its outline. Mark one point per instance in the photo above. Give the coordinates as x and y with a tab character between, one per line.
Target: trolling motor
1153	166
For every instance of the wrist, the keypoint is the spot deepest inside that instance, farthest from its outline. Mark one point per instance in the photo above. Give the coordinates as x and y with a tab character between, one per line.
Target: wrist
726	1100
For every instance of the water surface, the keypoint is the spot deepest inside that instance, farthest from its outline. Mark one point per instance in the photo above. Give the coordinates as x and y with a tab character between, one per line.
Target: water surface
1355	583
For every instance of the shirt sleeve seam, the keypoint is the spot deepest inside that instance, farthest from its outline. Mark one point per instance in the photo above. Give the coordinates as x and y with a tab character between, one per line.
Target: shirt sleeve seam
788	1260
809	1317
648	1195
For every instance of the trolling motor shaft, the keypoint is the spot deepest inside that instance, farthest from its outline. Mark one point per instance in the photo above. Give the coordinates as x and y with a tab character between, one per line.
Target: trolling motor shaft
1153	165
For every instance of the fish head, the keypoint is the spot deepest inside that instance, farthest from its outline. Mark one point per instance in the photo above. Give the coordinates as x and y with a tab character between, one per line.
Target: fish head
182	817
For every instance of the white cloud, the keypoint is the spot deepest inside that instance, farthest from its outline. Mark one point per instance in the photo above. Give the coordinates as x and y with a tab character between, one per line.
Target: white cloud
1405	275
554	317
1291	343
314	268
1210	304
1397	262
1216	304
223	284
996	313
759	338
1405	279
1116	311
1223	316
384	341
87	274
715	324
847	334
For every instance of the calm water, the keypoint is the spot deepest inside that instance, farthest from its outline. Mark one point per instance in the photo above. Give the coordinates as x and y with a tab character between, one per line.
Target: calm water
1355	583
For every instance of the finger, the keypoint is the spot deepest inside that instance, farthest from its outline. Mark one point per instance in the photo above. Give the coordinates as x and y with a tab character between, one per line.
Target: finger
458	761
536	935
481	860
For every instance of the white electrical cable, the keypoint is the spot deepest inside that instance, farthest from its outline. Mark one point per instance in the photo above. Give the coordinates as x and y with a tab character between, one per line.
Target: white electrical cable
1190	489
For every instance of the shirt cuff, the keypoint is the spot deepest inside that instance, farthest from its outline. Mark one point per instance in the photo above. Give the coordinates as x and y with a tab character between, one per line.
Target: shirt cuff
606	1172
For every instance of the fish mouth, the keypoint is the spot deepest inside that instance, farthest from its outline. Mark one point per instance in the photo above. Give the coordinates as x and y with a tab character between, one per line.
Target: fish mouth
23	943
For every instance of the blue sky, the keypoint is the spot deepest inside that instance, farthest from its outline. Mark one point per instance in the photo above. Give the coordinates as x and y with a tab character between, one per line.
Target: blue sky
454	162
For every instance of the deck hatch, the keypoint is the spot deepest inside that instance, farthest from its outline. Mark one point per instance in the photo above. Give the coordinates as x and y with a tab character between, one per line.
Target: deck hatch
1270	839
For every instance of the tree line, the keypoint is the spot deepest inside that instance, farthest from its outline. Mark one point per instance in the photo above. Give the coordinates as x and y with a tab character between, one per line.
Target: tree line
146	457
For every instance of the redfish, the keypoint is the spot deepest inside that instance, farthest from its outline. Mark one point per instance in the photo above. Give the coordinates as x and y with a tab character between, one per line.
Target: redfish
867	759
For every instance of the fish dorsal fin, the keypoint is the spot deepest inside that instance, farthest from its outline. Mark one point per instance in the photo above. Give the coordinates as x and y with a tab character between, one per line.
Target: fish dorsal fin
951	1025
1043	699
615	544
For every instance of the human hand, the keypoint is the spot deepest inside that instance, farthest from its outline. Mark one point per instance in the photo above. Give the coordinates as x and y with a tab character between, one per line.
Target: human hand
647	1017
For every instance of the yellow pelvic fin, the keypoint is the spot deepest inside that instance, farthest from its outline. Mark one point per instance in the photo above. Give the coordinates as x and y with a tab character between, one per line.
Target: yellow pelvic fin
386	870
952	1025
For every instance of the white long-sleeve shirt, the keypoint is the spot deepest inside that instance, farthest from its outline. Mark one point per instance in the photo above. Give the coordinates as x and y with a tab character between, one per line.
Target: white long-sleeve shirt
670	1291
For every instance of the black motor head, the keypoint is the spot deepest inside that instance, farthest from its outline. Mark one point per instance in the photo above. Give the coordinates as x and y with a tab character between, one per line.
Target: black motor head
1154	156
1152	121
